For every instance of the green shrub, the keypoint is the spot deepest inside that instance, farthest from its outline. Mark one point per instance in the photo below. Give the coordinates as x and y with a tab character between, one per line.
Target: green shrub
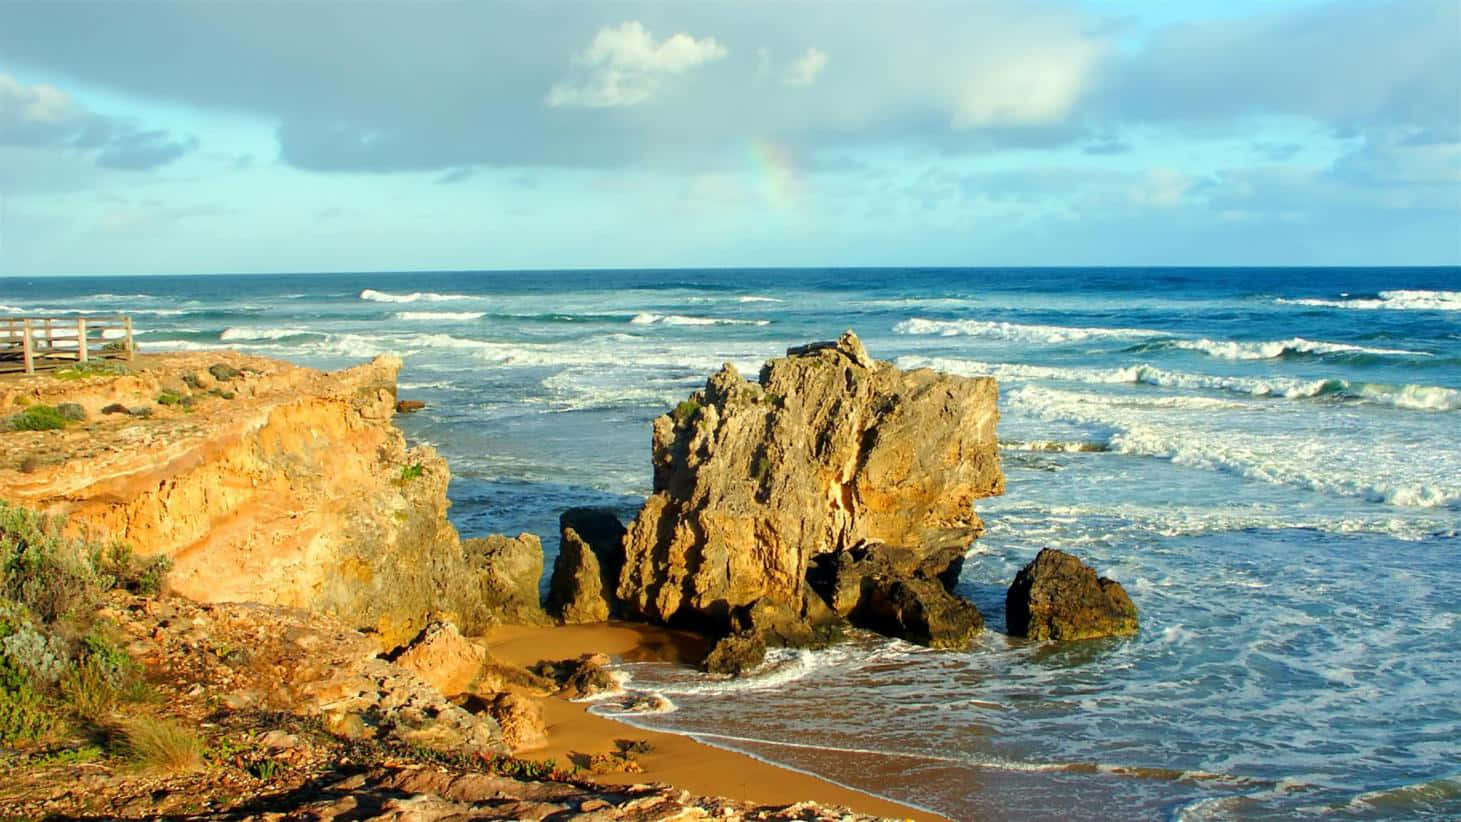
24	715
38	418
685	411
413	471
169	397
39	569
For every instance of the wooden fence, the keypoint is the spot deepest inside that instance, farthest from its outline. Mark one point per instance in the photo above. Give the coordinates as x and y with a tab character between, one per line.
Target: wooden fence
31	344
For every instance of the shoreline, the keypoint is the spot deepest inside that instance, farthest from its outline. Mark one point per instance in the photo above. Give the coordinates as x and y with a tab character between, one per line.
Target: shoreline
681	760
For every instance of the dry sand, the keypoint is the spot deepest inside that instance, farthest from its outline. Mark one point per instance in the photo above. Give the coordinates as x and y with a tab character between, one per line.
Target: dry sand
574	733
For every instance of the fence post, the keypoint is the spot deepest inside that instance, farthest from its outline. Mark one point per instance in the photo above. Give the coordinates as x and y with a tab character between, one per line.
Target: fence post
27	347
127	324
81	339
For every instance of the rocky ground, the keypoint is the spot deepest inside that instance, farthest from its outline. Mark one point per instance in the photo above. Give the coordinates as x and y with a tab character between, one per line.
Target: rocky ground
278	714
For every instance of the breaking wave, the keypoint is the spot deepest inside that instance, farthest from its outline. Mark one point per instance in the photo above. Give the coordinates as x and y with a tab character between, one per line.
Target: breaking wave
439	315
1398	300
1016	331
372	295
646	318
1296	347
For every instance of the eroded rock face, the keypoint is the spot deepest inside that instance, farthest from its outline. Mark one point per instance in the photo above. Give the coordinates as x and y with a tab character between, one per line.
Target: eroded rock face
828	450
267	482
1057	596
586	572
511	568
900	593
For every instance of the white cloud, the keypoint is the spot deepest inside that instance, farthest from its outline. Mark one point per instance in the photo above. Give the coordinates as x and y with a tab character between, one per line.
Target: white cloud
1162	188
804	71
624	66
39	104
1021	85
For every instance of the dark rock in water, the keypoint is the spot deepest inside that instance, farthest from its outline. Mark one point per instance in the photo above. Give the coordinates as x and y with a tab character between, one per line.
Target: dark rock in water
918	610
584	676
755	481
1057	596
735	654
779	625
586	572
511	568
408	406
899	592
222	372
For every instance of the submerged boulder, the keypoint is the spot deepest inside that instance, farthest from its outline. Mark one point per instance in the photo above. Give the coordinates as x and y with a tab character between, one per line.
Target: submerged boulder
735	654
586	572
1057	596
829	449
511	568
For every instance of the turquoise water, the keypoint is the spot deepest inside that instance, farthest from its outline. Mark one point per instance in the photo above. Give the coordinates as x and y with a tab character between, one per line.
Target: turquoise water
1267	459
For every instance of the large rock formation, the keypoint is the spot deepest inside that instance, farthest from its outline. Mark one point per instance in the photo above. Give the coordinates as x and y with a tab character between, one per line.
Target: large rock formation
280	484
586	572
1057	596
829	450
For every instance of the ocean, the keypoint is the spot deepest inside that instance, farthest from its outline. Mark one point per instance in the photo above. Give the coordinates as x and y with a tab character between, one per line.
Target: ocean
1269	460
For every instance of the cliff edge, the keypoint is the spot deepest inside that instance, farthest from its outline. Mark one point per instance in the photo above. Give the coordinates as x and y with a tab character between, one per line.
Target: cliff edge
260	480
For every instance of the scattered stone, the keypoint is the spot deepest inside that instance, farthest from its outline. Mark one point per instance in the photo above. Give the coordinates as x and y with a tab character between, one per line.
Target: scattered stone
580	677
586	571
1057	596
409	406
512	567
444	658
115	408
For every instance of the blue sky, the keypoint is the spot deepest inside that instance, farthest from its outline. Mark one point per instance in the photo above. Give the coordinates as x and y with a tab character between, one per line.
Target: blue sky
328	136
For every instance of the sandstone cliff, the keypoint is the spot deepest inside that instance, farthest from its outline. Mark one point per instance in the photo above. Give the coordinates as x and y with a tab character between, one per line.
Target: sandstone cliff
829	452
262	481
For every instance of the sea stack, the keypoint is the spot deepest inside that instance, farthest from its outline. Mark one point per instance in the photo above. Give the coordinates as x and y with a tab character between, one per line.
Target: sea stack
756	484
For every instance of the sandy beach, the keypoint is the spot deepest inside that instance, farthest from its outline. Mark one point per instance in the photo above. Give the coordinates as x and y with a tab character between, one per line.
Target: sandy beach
677	760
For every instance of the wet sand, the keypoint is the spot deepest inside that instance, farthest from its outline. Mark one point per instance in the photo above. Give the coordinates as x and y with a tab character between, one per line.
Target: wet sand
575	734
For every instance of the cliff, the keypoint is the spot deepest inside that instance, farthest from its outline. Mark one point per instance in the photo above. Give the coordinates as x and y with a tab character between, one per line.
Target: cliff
261	481
829	455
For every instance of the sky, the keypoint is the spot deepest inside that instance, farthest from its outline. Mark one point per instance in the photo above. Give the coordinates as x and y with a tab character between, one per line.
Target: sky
210	137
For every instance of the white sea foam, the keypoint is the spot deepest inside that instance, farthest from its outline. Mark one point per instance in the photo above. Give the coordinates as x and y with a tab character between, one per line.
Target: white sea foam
1352	460
647	318
1397	300
439	315
757	299
265	333
372	295
1274	349
782	666
1414	397
1052	334
13	308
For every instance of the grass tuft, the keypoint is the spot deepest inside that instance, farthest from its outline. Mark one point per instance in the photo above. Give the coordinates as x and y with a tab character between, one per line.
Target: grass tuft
162	745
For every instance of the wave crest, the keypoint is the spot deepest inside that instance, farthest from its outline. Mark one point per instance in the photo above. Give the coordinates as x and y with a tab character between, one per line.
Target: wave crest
1015	331
1396	300
371	295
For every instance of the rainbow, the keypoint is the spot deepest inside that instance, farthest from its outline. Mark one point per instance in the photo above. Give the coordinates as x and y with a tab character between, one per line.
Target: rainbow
775	167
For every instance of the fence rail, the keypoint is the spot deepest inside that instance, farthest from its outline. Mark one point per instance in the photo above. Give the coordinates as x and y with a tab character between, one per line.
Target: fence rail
32	344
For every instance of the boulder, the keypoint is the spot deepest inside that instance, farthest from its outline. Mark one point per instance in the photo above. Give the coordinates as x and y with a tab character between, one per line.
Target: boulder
828	449
919	610
899	592
735	654
1057	596
511	568
444	658
521	720
585	574
409	406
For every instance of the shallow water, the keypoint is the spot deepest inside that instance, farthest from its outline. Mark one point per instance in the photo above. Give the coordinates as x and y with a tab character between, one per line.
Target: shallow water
1268	460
